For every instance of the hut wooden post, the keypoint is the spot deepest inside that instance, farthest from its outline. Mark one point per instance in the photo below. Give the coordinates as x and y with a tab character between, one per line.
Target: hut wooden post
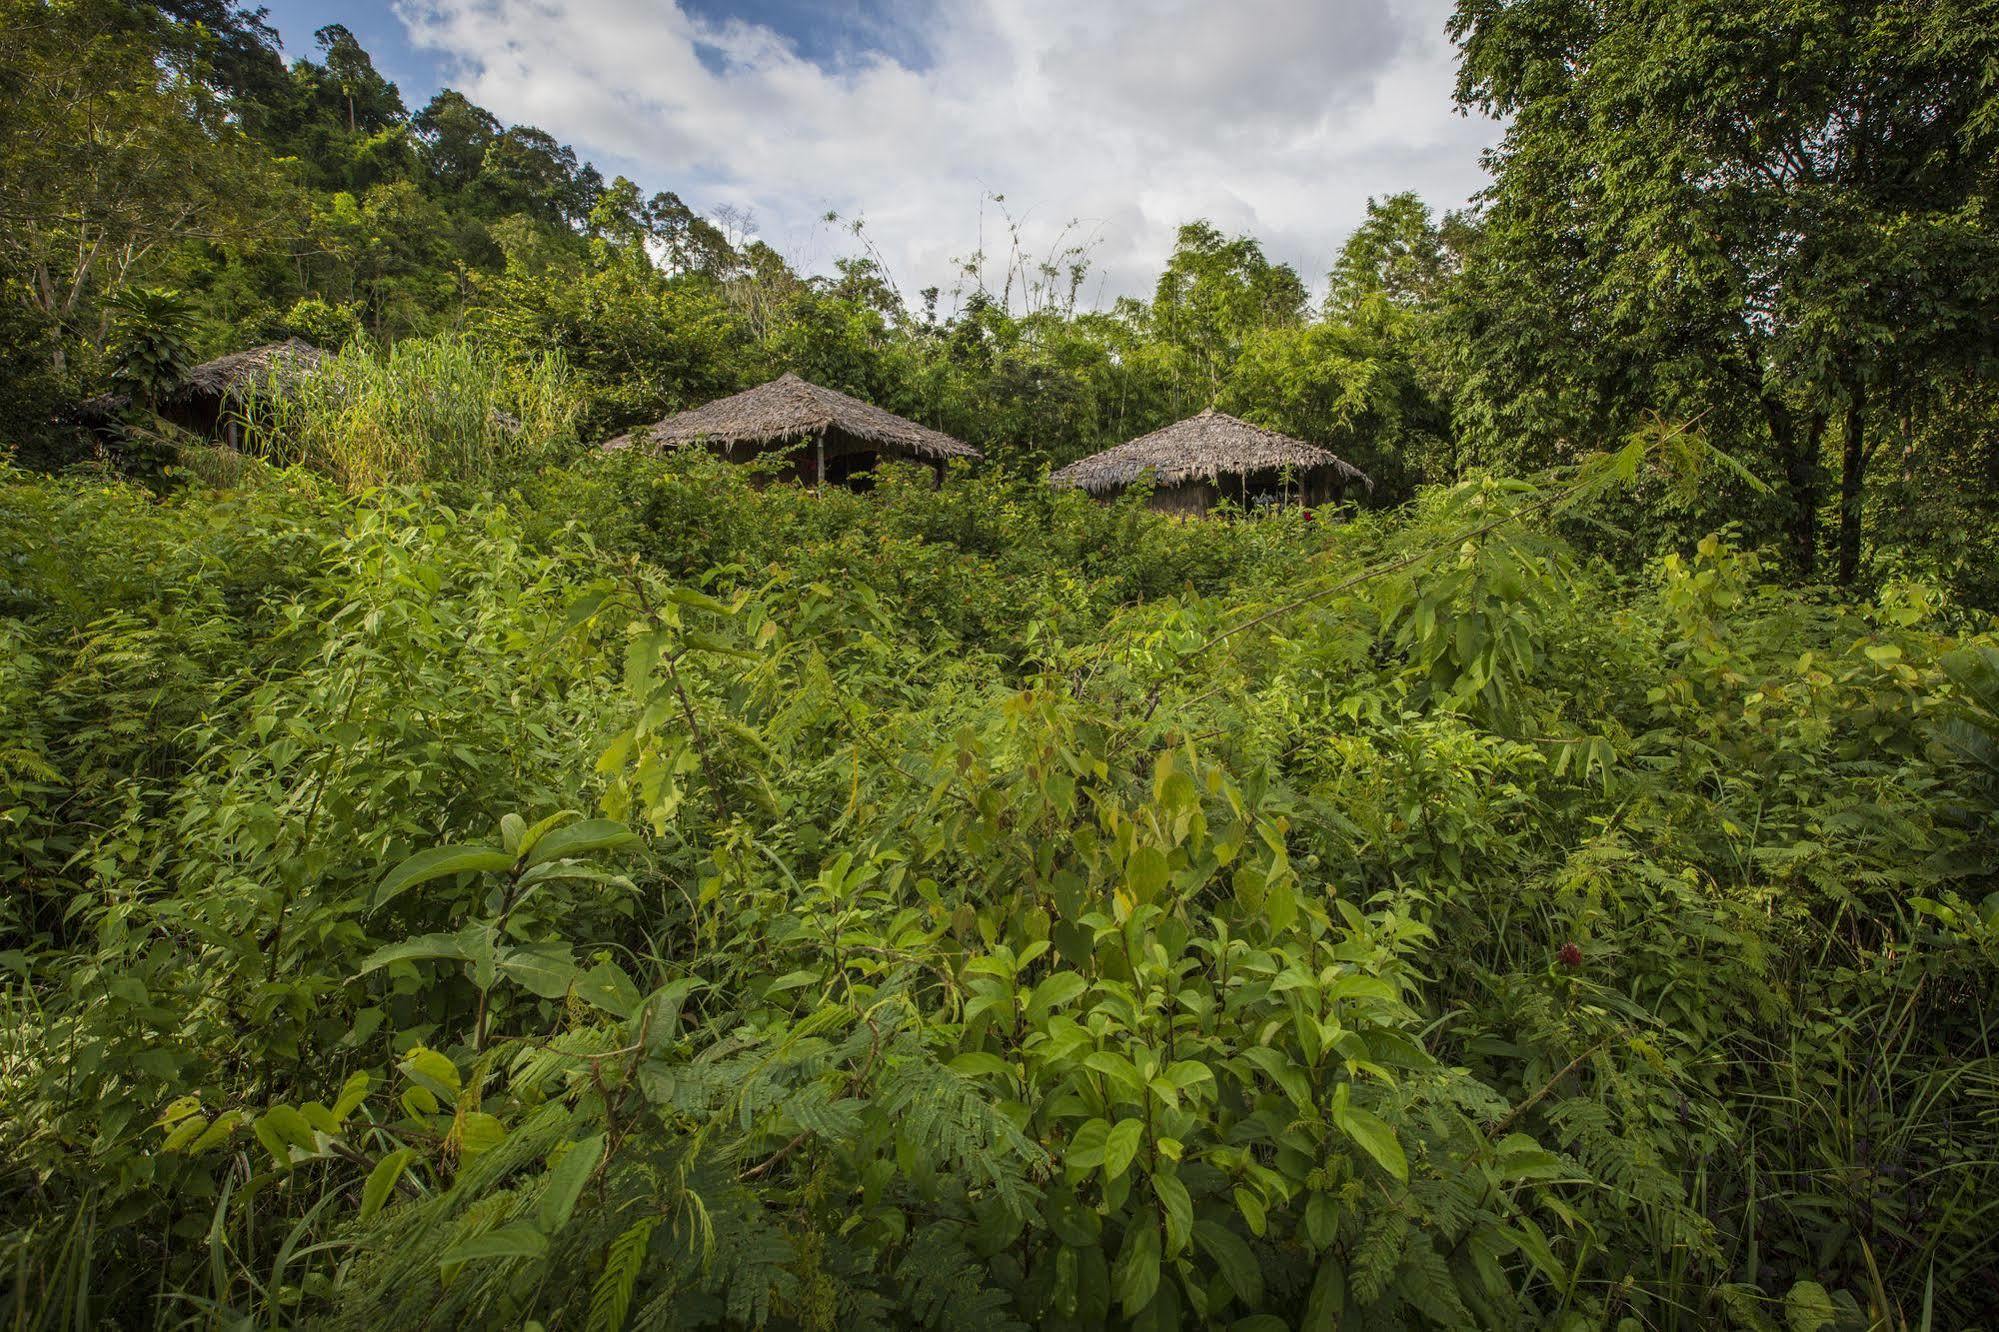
819	461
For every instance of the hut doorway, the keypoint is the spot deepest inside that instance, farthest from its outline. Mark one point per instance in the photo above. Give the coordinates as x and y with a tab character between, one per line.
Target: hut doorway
1262	491
855	471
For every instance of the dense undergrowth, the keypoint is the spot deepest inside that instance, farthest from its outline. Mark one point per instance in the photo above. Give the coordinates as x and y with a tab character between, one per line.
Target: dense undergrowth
1032	913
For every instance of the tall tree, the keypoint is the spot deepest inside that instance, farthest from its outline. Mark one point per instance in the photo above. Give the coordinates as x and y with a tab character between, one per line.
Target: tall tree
1773	213
1398	253
112	151
1216	291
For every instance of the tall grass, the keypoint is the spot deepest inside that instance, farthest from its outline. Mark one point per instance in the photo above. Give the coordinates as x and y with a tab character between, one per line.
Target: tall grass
425	409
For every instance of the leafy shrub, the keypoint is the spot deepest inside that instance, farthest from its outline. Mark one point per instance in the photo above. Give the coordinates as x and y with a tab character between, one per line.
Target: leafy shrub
660	901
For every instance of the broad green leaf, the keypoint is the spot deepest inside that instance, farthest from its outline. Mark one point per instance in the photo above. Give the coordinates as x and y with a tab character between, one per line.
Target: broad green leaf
1086	1147
705	642
1136	1276
546	970
1121	1146
1322	1219
1376	1138
981	1063
382	1180
1250	1204
687	596
433	1070
516	1240
1232	1259
352	1093
1052	993
282	1127
1116	1067
1807	1307
578	839
1147	872
479	1132
423	948
566	1181
1179	1211
1327	1303
542	827
608	987
437	863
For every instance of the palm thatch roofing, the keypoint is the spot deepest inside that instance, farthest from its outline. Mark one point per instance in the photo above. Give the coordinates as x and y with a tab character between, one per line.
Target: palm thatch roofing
1201	448
283	363
790	408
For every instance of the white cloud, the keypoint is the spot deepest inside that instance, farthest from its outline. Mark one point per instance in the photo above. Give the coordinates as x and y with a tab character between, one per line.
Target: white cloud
1274	117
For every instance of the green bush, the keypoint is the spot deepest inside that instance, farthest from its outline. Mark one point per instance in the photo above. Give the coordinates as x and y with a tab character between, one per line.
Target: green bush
652	900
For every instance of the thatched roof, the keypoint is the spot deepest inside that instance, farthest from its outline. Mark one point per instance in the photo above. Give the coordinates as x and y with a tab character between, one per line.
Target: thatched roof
1200	448
285	362
789	408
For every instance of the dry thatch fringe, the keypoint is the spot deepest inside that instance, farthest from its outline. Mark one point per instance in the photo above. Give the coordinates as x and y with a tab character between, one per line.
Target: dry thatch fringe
275	363
789	408
1201	448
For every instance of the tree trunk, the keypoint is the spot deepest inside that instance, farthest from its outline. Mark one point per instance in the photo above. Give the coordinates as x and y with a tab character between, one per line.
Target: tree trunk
1802	483
1852	477
1799	459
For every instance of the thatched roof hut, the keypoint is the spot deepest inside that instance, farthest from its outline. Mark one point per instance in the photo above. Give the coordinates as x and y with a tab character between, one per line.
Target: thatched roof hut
210	400
847	436
283	363
1204	459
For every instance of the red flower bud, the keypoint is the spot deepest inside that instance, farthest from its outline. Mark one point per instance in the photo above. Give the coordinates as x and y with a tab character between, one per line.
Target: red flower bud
1571	955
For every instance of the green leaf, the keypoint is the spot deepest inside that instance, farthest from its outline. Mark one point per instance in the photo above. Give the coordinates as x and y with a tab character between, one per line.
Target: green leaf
437	863
433	1071
546	970
578	839
1121	1146
608	987
1233	1259
1250	1204
479	1132
382	1180
702	642
1146	872
282	1127
352	1093
542	827
1376	1138
687	596
424	948
1052	993
1116	1067
1179	1211
1137	1274
566	1181
1328	1300
1807	1307
981	1063
1086	1147
517	1240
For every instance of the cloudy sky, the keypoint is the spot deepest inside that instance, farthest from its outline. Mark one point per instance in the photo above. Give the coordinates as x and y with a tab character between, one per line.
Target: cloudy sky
1273	117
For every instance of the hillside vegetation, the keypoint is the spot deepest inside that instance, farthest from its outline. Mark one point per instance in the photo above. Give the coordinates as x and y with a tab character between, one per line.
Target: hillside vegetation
633	898
453	876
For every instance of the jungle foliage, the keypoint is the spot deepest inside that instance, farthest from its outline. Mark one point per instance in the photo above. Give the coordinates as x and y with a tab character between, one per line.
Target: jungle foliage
632	898
454	877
